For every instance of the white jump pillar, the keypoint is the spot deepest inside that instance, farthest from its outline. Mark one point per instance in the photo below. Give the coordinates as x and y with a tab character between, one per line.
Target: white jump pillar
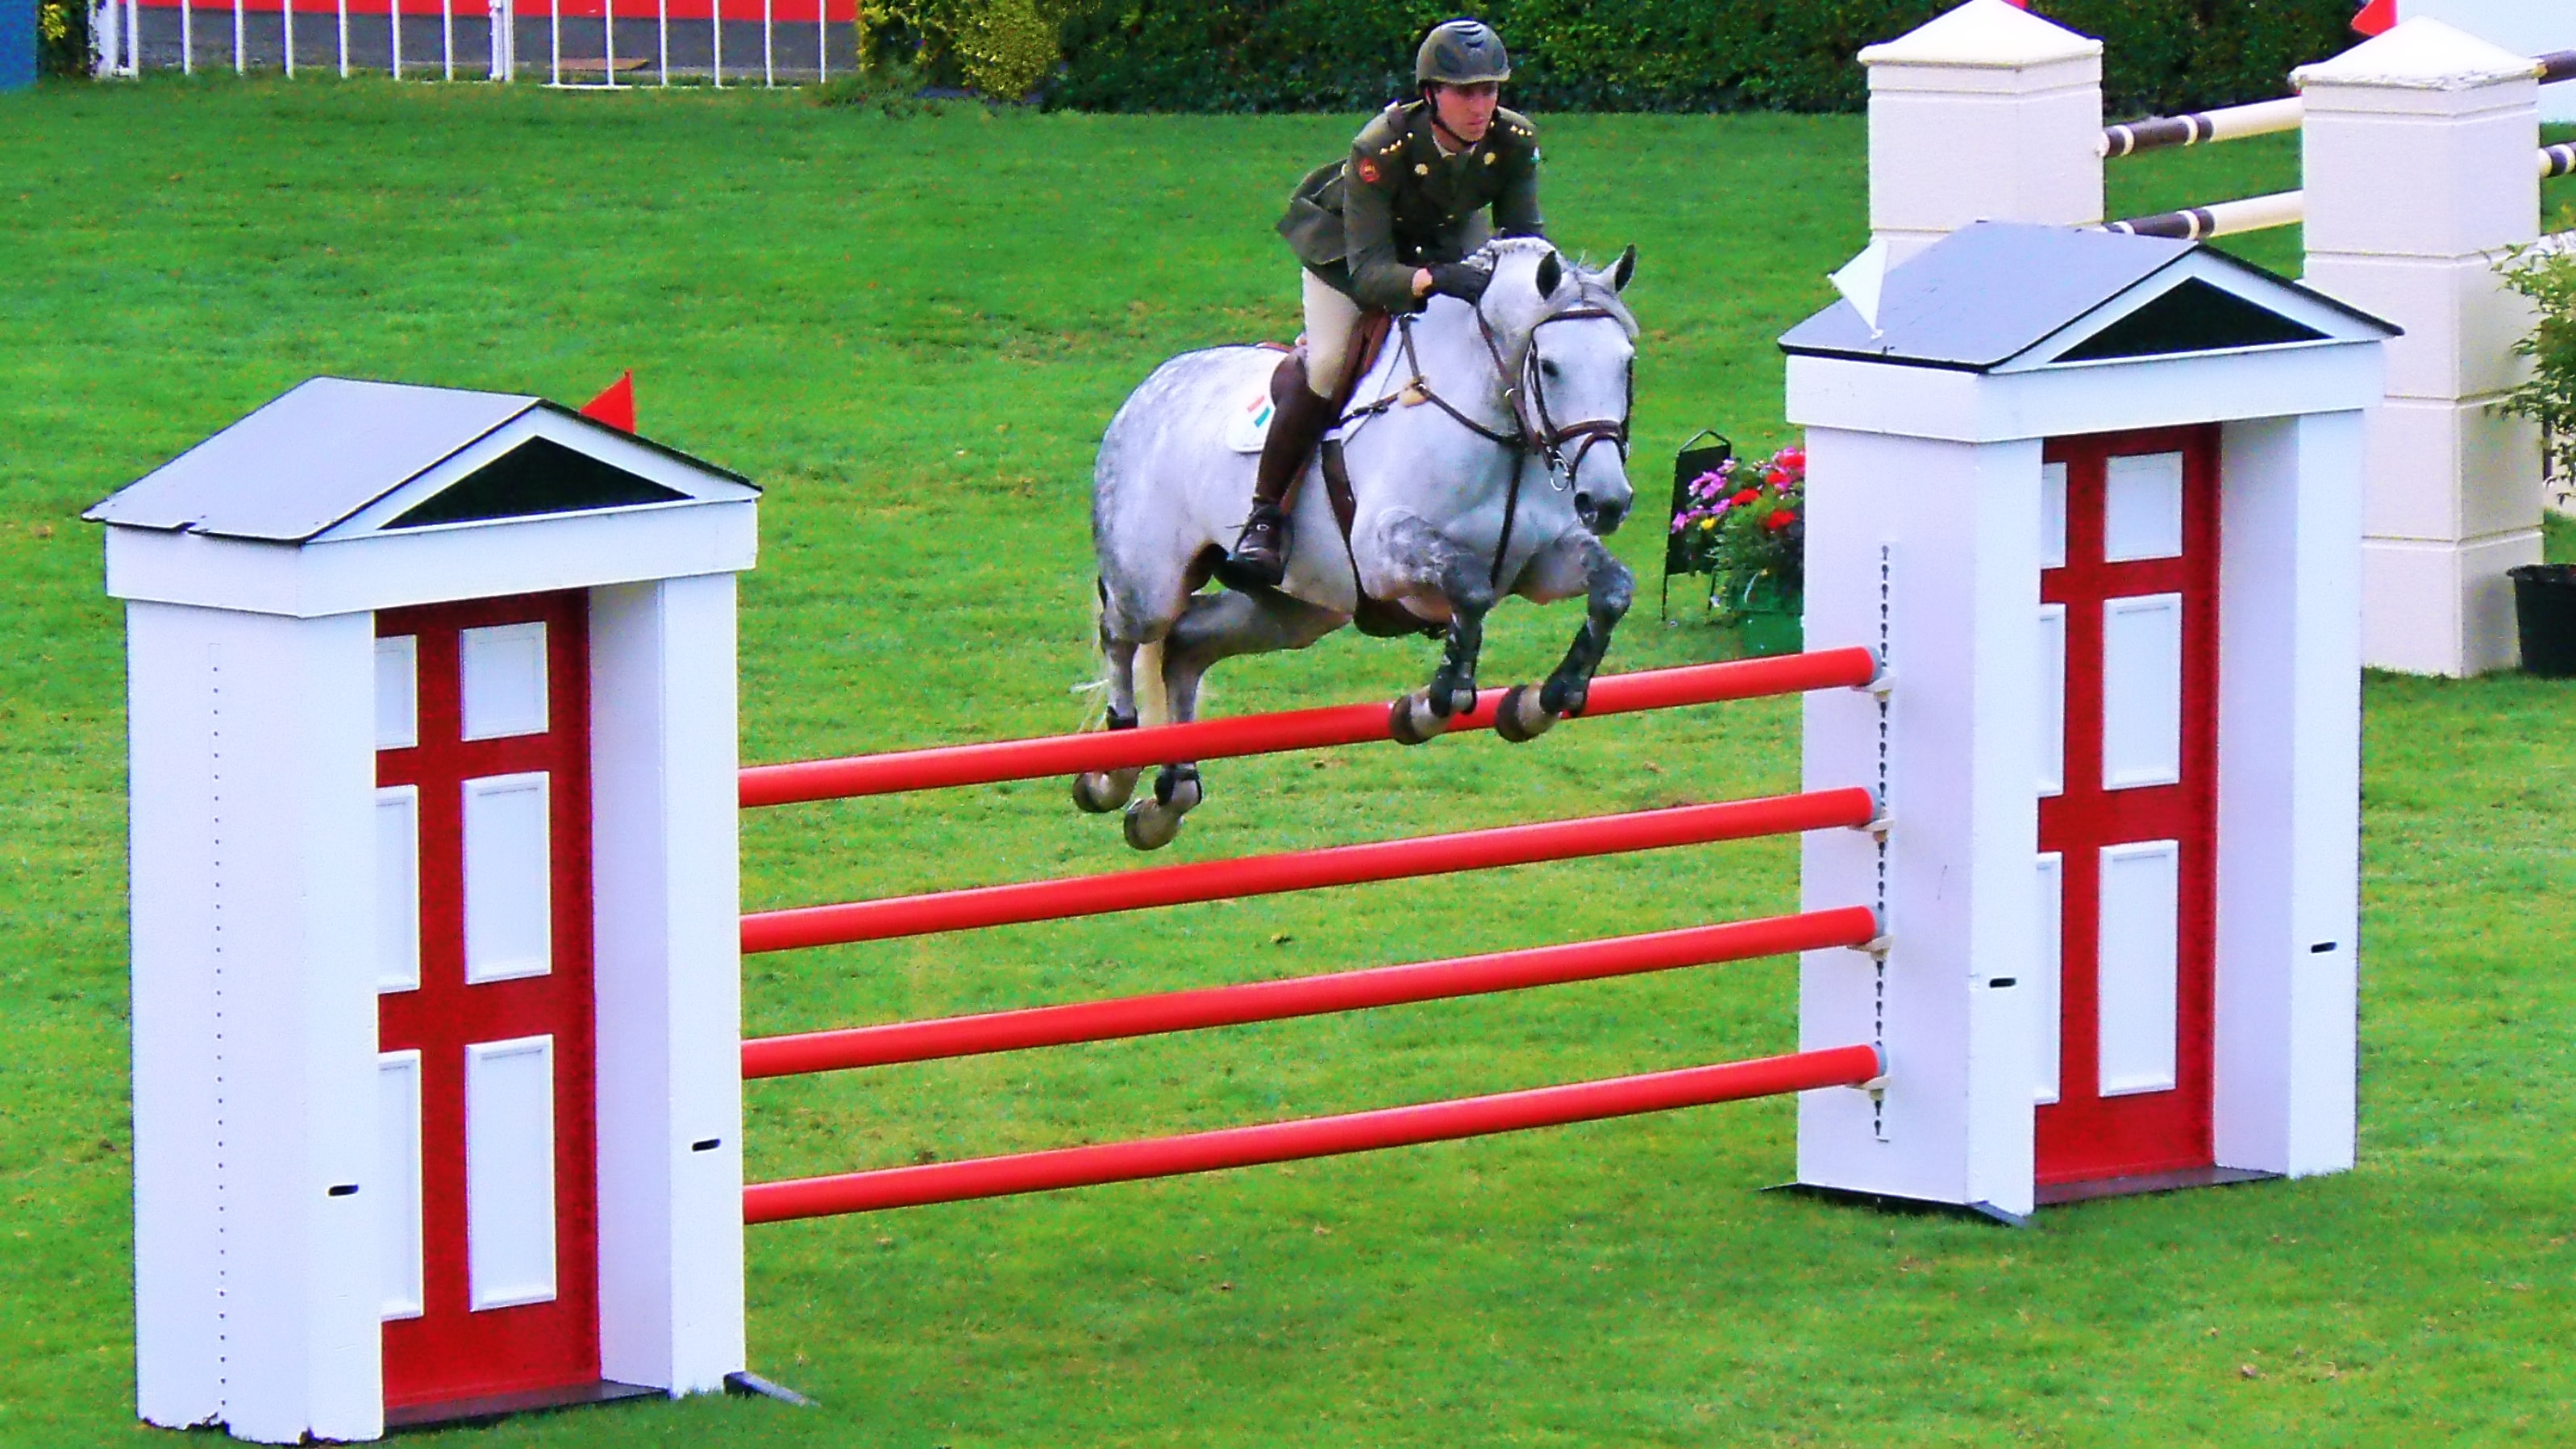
2418	154
1987	113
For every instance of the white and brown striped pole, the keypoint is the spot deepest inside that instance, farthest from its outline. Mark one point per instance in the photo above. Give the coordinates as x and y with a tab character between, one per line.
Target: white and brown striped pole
2228	123
2219	218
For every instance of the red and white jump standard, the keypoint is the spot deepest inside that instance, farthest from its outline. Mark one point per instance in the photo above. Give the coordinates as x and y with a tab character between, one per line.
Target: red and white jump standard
436	1077
2095	496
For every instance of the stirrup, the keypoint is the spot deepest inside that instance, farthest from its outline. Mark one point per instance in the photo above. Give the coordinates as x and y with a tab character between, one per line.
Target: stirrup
1259	556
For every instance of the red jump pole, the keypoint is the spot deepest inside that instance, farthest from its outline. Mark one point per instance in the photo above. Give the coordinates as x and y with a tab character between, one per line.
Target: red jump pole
1298	870
1261	734
1001	1031
894	1187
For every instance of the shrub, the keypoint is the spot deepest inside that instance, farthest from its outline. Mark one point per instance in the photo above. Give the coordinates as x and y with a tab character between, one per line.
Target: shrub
998	48
2547	275
1647	55
62	37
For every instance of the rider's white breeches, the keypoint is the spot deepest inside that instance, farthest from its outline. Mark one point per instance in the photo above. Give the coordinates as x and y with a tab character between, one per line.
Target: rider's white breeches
1331	318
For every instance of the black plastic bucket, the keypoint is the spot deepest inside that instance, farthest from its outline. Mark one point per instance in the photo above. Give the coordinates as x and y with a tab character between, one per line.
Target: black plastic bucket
2544	610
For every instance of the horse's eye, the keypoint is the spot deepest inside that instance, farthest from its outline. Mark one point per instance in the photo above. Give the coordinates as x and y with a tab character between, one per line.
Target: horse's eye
1548	368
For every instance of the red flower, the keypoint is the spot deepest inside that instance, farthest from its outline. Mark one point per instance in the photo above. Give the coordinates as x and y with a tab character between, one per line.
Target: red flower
1776	477
1780	520
1747	496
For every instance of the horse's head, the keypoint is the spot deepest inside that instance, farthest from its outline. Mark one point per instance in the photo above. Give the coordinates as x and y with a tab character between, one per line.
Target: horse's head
1571	345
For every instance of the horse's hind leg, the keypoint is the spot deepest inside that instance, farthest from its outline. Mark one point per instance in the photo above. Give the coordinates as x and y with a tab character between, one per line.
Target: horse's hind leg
1216	626
1100	791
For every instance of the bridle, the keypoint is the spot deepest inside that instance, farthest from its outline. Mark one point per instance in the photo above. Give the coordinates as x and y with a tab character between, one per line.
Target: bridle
1534	426
1552	436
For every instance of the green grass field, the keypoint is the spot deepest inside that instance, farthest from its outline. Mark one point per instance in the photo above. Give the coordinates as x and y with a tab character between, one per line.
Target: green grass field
911	332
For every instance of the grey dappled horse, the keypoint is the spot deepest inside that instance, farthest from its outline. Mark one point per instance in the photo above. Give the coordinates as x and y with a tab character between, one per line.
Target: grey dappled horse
1474	471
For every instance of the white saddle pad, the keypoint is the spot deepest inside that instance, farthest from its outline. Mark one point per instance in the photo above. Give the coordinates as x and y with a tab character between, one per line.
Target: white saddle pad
1248	422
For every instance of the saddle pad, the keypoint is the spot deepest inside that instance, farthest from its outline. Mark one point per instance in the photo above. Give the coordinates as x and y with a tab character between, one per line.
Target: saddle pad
1248	422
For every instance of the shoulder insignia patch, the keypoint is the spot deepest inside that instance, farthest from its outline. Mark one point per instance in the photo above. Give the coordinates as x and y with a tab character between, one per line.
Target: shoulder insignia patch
1368	170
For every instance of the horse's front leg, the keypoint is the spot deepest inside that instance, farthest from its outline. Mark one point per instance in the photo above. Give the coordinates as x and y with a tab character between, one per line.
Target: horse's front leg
1466	584
1608	590
1471	598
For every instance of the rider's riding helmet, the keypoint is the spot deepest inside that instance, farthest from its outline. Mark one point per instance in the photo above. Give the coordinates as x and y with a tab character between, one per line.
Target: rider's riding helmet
1461	52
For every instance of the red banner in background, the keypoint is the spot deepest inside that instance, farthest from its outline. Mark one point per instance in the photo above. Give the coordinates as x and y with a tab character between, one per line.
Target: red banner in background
837	12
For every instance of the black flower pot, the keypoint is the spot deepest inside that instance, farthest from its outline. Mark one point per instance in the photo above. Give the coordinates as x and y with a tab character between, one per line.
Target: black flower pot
2544	609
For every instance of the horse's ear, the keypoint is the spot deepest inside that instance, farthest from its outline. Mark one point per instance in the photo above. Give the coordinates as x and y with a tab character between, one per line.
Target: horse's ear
1551	273
1623	269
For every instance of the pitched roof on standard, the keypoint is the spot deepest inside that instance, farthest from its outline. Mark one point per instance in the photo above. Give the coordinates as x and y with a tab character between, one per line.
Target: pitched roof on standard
1990	292
317	455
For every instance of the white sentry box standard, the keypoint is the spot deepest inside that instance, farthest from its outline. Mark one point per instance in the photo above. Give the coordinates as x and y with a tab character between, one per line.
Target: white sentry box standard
1931	514
253	568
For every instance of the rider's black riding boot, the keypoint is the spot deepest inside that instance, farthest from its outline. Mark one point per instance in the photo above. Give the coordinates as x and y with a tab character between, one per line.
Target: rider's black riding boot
1260	552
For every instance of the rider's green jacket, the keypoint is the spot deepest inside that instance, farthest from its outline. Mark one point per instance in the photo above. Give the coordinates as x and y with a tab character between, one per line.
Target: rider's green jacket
1397	203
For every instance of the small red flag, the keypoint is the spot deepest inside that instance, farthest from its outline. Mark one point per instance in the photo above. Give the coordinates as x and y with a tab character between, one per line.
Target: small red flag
616	406
2375	17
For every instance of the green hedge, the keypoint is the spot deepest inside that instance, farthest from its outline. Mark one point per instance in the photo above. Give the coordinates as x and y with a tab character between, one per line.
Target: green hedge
1648	55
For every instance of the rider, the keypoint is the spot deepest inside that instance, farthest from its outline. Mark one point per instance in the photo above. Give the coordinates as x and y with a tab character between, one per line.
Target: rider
1384	229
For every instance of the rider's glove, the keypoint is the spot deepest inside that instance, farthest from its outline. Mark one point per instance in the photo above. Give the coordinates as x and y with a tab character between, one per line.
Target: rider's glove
1459	280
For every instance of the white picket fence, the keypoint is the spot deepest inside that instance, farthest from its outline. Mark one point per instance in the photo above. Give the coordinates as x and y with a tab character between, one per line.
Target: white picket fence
589	44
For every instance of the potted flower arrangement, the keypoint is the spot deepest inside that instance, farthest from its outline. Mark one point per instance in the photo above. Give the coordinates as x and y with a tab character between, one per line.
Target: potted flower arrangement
2545	593
1745	526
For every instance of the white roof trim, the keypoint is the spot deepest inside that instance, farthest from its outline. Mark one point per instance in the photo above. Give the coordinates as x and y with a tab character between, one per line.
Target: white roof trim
596	440
2307	310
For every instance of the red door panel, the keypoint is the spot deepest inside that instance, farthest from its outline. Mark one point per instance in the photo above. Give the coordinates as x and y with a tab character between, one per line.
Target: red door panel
502	1022
2133	826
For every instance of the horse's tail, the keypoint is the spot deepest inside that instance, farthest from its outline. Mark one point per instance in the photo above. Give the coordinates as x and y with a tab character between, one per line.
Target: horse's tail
1153	702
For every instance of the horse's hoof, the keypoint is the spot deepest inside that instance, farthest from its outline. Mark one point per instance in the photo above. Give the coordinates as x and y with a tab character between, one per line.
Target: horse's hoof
1412	720
1177	789
1151	827
1520	718
1097	792
1565	698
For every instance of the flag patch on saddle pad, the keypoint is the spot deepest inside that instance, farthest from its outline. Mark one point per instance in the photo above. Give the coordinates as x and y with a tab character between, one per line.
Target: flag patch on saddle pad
1248	424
